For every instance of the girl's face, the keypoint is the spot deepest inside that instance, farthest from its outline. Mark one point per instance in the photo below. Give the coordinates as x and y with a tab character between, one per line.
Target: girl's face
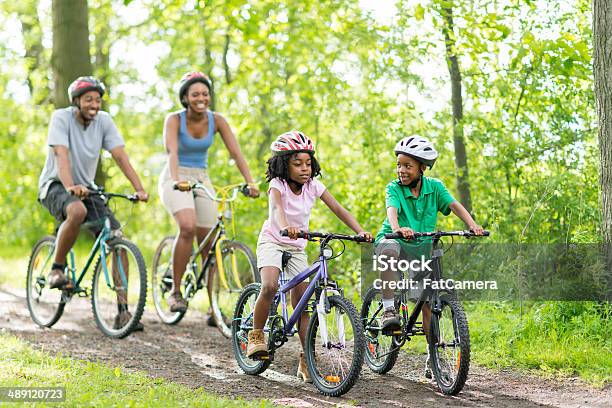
198	97
300	168
408	169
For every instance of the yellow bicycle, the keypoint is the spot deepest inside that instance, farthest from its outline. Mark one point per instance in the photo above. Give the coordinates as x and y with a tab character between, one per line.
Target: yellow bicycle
225	270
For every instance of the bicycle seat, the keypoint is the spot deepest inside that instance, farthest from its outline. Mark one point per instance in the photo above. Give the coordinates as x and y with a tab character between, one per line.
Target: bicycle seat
286	257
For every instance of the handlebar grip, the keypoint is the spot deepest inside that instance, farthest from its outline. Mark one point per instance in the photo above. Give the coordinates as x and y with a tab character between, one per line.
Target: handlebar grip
301	234
184	186
245	190
394	235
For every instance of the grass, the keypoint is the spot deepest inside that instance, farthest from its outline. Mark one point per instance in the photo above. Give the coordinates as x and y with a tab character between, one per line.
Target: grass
554	338
96	384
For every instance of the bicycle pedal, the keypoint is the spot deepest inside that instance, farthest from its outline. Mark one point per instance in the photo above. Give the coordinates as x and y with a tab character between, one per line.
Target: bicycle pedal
397	332
82	293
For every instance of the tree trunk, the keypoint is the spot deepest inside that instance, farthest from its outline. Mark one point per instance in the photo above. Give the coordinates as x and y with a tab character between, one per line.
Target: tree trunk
602	70
70	57
461	165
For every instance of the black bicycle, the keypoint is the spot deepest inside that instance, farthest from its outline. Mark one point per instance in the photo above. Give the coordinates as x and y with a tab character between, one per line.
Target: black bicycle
449	336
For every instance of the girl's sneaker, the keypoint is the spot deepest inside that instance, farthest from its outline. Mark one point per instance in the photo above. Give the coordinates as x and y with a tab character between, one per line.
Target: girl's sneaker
257	347
302	370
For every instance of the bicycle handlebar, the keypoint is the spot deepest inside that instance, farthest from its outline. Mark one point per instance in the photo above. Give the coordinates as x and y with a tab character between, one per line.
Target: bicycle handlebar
438	234
131	197
326	235
243	188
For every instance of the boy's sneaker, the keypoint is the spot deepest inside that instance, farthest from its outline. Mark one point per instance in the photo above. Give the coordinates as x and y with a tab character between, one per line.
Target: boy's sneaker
177	303
302	370
57	279
257	347
123	318
390	320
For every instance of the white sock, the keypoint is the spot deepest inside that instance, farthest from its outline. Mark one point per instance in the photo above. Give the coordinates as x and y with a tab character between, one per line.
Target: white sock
387	303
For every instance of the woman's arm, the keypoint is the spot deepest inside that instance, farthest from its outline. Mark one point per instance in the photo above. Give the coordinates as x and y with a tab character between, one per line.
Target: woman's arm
171	129
345	216
234	150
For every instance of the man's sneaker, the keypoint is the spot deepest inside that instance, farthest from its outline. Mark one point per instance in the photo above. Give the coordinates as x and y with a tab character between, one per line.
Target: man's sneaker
123	318
302	370
177	303
257	347
390	321
57	279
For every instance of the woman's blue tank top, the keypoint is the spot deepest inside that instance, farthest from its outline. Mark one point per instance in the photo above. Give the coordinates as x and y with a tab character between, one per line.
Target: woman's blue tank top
193	152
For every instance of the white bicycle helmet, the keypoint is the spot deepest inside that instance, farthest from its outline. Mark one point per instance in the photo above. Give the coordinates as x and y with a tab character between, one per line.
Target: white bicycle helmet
419	148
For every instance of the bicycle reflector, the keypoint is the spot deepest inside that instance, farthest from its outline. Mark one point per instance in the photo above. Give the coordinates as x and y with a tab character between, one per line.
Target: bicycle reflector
332	378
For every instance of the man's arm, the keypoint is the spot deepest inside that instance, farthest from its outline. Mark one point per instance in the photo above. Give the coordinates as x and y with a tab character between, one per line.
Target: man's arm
123	161
64	171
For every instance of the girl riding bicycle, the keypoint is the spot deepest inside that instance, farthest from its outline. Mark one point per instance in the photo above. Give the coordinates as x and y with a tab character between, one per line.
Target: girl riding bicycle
293	190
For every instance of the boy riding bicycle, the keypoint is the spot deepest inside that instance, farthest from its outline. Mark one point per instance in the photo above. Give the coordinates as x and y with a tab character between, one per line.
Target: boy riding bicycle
76	136
413	202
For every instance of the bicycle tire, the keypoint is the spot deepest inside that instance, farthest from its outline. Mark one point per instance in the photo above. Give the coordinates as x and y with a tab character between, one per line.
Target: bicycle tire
36	286
160	289
376	342
100	306
313	348
241	325
225	297
439	345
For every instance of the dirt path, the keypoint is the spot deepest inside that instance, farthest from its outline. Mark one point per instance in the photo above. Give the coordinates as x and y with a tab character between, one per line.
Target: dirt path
198	356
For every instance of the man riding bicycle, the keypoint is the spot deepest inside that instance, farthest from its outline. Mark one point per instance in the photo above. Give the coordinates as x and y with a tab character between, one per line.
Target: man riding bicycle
76	136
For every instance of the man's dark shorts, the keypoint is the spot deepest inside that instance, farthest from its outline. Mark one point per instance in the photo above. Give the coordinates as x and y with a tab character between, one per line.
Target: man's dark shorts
58	199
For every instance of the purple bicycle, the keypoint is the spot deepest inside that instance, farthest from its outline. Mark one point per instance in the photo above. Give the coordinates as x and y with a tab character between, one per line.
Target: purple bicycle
335	343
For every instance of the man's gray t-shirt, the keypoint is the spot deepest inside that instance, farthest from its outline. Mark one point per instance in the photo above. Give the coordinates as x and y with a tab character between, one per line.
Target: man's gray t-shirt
84	146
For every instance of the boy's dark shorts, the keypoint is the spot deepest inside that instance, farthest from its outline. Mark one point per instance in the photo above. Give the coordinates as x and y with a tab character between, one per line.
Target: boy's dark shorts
58	199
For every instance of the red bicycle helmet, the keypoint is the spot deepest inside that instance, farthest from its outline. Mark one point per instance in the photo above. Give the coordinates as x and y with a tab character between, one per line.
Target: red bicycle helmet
85	84
190	78
292	142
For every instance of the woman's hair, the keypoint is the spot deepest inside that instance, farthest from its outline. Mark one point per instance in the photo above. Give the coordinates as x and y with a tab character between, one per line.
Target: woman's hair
278	166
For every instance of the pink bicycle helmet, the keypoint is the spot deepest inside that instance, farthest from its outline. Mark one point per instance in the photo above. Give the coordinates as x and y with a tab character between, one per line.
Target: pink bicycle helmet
292	142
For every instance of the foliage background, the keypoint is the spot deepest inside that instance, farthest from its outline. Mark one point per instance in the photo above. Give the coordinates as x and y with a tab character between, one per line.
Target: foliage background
354	82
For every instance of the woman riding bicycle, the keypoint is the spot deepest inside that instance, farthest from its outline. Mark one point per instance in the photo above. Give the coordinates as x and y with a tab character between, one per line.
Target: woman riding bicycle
188	135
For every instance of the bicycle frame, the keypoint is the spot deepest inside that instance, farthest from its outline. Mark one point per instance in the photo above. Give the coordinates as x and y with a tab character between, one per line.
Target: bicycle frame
428	295
319	270
216	235
98	249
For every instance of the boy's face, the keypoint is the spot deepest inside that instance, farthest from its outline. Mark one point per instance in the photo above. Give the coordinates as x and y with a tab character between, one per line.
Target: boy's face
408	169
300	168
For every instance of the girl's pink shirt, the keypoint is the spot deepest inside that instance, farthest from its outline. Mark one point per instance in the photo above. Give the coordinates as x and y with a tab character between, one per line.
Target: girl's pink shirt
297	209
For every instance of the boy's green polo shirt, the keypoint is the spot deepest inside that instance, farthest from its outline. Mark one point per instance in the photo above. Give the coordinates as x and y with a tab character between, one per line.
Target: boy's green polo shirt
418	213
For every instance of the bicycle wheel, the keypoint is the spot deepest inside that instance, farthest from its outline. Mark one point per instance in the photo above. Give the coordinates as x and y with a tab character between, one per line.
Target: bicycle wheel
46	305
119	291
449	346
334	350
242	324
161	282
380	353
240	270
